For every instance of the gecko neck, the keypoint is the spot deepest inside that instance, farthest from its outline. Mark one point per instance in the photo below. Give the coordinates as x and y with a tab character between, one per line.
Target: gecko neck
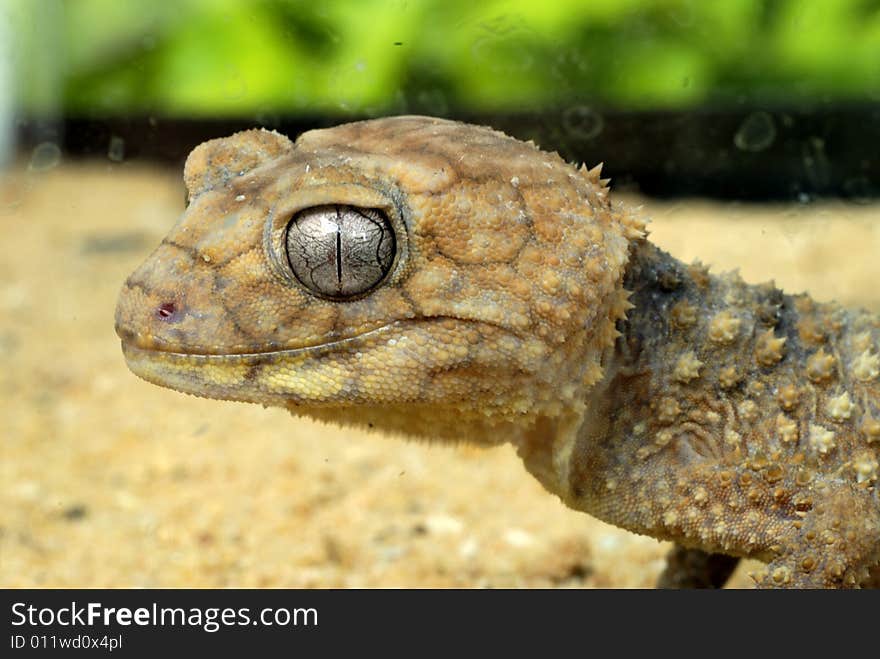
660	287
710	372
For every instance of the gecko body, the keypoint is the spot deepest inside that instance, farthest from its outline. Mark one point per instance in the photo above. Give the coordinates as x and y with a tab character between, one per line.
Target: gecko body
443	281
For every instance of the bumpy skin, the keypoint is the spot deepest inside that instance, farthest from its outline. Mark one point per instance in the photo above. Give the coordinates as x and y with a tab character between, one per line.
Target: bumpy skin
523	307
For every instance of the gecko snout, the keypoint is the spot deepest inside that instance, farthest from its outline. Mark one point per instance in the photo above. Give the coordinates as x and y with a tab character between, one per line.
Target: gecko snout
148	320
168	304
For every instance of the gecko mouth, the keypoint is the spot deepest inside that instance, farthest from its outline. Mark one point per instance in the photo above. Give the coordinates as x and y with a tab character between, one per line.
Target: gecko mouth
303	374
369	367
137	345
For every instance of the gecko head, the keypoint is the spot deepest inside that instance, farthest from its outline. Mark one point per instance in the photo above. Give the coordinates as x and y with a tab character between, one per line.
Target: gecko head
410	273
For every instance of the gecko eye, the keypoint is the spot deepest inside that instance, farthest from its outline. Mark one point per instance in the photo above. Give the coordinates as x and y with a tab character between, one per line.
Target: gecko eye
340	251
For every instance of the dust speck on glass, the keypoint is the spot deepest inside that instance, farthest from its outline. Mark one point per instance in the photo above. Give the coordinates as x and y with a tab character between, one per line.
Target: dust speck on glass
756	133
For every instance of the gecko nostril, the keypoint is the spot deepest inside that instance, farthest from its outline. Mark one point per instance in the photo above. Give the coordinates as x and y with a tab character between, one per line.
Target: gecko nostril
167	311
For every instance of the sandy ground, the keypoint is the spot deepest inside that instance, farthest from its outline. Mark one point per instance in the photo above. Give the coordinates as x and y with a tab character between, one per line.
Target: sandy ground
108	481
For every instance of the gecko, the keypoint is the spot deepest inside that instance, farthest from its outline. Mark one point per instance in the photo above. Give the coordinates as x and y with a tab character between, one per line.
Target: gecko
442	281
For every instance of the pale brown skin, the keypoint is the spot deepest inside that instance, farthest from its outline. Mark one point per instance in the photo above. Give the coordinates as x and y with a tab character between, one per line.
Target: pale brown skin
523	307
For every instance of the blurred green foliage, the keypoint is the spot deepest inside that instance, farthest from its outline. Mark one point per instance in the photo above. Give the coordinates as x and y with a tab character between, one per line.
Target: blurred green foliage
249	58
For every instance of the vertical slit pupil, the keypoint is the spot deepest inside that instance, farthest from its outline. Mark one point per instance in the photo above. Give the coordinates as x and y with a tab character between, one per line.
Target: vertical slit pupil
339	254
